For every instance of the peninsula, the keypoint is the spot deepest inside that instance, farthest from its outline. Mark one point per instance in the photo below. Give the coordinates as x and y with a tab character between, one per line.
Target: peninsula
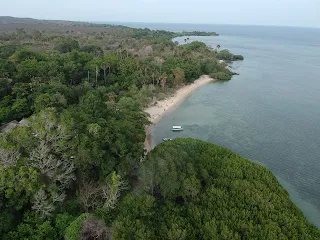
75	99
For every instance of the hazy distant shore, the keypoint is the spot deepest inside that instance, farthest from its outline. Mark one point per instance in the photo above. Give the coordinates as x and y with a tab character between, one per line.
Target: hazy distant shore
157	112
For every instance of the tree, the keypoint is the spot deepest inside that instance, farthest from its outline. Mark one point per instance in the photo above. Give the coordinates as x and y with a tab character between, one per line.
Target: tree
47	100
43	147
5	87
221	76
20	32
27	69
89	195
196	46
33	227
108	62
73	231
179	78
65	45
94	65
112	190
37	35
225	55
92	49
95	229
18	185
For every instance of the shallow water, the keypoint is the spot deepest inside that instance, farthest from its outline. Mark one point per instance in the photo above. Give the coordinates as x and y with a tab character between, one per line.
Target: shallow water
269	114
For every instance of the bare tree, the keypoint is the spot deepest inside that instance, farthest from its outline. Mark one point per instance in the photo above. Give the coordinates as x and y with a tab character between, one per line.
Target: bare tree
45	127
159	61
95	229
8	157
163	80
145	51
97	74
57	198
89	195
57	169
179	76
41	159
42	204
64	174
112	190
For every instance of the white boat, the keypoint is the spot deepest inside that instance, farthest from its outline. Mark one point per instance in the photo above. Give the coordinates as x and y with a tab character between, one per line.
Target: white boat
177	128
167	139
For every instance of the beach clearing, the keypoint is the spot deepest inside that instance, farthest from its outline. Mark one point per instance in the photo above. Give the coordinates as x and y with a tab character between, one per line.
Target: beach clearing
157	112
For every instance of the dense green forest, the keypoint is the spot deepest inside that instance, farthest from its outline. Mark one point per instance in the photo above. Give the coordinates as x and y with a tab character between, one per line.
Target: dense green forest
40	69
190	189
72	158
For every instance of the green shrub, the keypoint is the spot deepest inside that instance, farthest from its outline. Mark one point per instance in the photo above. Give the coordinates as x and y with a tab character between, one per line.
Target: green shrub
72	232
196	46
225	55
237	57
62	221
161	96
65	45
221	76
7	222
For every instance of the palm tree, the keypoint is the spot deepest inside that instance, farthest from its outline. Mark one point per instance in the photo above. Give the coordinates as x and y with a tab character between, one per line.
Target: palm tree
105	63
97	73
104	66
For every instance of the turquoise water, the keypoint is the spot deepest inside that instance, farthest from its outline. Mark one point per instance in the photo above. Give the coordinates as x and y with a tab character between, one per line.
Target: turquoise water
270	113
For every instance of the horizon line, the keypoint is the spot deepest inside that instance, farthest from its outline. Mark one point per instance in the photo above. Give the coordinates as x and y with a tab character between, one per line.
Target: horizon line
139	22
221	24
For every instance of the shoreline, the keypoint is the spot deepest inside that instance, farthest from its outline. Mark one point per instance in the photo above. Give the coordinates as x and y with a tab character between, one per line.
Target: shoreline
158	111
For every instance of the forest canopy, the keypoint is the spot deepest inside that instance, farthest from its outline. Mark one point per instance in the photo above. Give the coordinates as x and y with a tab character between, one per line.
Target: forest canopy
190	189
72	157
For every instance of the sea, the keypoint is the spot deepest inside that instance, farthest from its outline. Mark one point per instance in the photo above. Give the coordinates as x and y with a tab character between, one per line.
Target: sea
270	113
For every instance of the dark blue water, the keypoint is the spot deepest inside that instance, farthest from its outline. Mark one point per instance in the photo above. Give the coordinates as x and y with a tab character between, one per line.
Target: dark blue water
270	113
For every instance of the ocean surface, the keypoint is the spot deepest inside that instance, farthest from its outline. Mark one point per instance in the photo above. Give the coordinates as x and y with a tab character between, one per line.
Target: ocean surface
270	113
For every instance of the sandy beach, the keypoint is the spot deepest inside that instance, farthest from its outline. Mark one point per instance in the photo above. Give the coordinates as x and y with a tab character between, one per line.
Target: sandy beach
162	107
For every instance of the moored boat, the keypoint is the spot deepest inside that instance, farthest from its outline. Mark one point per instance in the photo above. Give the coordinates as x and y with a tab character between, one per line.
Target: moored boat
177	128
167	139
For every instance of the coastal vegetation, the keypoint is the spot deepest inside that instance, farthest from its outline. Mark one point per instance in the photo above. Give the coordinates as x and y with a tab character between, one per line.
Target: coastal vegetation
227	56
199	33
36	65
190	189
221	76
72	158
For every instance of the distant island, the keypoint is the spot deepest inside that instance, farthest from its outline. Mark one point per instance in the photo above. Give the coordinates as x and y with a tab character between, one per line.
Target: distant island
198	33
75	102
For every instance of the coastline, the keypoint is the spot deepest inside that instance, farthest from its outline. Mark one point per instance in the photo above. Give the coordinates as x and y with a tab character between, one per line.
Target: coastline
157	112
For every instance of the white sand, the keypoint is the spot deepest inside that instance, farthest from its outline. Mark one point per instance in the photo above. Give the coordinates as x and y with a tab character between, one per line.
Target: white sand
162	107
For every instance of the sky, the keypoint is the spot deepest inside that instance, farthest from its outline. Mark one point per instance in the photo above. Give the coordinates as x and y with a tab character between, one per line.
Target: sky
302	13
